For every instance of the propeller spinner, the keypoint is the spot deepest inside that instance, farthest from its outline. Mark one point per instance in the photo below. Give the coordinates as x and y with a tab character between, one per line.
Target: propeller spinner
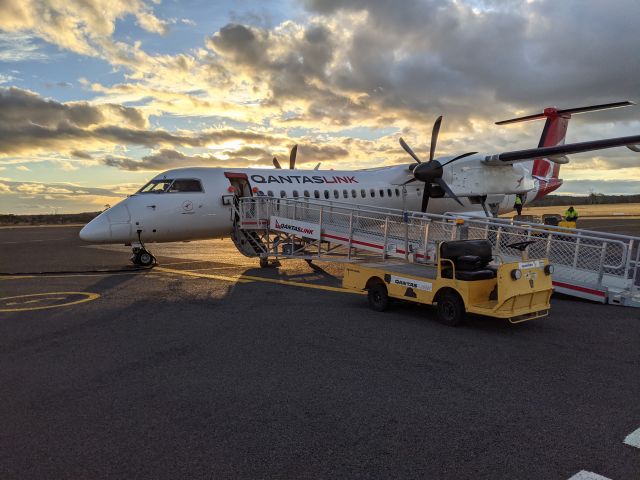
431	172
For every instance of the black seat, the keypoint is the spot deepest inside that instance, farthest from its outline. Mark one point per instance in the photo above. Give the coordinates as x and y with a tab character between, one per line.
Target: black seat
470	257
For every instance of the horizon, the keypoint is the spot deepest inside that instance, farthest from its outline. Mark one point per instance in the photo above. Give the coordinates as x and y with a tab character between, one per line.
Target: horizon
97	97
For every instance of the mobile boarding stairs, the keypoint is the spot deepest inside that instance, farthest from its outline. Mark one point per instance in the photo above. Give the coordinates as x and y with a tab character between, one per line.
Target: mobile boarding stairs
593	265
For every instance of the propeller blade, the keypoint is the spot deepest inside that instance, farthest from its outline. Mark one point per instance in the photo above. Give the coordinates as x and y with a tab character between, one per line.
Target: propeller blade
434	137
317	166
407	149
292	157
426	194
459	157
446	188
276	163
409	181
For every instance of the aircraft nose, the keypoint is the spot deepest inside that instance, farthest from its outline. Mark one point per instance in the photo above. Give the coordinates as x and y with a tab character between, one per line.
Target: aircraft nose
97	230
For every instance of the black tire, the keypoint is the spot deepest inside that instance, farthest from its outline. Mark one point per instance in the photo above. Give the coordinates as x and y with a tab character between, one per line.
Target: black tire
378	297
264	262
450	308
144	258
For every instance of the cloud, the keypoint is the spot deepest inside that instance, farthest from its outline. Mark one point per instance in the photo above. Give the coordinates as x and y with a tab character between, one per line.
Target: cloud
75	25
19	47
81	154
23	168
39	188
242	157
31	123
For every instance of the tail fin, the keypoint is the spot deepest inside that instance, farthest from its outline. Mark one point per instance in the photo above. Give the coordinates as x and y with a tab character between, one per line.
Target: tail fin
553	133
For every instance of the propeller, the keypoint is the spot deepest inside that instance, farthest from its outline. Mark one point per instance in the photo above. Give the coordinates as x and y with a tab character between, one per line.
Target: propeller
431	172
292	159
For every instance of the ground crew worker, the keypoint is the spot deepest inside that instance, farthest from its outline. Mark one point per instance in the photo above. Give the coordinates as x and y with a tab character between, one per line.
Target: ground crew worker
518	205
571	215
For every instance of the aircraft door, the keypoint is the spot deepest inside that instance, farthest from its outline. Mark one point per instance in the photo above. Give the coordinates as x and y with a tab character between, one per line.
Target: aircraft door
241	188
240	184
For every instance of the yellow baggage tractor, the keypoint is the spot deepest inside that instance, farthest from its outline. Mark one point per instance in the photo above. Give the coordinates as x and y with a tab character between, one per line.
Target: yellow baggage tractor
466	279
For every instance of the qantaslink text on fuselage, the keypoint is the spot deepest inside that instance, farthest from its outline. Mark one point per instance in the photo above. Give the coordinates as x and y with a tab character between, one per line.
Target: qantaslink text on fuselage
300	179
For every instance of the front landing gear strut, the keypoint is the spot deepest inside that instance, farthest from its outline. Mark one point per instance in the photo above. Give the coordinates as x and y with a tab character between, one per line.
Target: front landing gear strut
140	255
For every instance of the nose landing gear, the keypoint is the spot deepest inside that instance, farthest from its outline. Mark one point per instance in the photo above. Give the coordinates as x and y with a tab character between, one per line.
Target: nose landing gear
140	255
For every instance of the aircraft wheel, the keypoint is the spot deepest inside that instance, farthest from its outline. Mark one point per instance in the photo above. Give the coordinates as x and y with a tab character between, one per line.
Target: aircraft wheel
144	258
378	297
450	308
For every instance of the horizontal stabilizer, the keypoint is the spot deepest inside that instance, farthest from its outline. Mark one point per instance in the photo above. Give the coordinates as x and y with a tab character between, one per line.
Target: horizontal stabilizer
568	111
557	152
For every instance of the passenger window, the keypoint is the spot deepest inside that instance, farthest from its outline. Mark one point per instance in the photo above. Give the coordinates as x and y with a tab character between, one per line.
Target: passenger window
389	192
316	193
354	194
283	194
345	193
336	194
381	193
326	194
363	193
181	185
397	192
295	194
270	193
306	193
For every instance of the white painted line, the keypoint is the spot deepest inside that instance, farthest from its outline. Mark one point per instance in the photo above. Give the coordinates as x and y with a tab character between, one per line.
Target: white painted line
633	439
584	475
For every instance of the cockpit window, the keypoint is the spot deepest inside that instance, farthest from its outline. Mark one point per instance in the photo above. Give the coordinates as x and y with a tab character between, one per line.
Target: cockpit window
172	186
156	186
183	185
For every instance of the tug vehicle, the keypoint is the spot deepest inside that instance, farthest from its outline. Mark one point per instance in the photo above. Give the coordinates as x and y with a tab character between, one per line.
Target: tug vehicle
467	278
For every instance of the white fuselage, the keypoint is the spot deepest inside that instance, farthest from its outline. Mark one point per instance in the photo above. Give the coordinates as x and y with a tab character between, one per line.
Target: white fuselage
169	216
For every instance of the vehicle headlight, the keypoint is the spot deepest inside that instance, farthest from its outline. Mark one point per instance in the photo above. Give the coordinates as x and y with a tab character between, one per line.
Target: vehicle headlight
516	274
548	269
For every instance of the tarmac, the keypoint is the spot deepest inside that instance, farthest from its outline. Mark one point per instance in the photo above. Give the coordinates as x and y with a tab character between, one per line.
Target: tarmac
207	366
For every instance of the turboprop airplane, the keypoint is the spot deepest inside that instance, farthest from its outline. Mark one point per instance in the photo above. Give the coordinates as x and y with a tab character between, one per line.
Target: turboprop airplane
186	204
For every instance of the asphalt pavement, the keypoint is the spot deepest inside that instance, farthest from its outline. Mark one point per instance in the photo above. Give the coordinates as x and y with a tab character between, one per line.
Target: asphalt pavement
210	367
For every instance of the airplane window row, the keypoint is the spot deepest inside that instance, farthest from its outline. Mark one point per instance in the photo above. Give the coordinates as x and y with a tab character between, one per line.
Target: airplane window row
336	193
180	185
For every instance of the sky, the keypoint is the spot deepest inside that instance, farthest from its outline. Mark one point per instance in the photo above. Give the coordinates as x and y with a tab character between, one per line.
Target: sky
98	96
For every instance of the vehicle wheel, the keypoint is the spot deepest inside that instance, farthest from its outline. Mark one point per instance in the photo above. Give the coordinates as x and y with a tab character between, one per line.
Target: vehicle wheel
144	258
264	262
450	308
378	297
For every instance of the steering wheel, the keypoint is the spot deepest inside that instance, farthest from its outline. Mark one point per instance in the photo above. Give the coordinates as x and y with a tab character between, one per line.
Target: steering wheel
521	245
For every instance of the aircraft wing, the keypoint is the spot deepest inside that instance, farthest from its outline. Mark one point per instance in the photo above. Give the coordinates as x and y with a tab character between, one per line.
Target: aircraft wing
558	153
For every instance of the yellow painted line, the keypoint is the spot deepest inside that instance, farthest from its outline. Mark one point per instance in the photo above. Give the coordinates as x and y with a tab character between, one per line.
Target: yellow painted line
210	268
250	278
60	275
88	296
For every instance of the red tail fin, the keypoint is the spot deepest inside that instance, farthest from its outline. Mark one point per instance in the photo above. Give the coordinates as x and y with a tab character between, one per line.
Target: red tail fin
553	133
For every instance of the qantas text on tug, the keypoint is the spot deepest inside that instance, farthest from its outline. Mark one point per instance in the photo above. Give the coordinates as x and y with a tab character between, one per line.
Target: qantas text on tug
187	203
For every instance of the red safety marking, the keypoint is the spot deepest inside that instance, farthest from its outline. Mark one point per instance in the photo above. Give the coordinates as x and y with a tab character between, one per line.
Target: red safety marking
590	291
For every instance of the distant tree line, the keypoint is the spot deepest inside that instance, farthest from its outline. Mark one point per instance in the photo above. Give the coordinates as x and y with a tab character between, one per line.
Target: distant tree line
591	199
47	219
